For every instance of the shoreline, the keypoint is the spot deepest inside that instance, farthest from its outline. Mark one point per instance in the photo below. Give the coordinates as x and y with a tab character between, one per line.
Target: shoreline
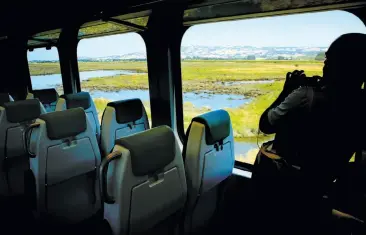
137	71
249	94
250	90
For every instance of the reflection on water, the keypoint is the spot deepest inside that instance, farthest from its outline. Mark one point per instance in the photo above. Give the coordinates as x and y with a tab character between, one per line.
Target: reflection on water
231	83
53	80
198	99
213	101
121	95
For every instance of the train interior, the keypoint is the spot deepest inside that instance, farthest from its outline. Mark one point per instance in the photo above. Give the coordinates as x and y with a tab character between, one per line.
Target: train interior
133	168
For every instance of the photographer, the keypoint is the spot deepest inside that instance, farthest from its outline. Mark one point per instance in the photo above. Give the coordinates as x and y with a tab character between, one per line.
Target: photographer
288	114
316	122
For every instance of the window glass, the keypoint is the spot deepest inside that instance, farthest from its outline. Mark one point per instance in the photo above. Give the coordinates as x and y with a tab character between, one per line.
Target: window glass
114	68
44	68
240	66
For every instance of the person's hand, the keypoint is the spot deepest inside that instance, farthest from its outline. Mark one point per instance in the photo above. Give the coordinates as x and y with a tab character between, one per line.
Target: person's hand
294	80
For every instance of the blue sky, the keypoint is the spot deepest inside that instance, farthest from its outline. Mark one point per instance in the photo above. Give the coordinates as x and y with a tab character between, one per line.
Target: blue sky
310	29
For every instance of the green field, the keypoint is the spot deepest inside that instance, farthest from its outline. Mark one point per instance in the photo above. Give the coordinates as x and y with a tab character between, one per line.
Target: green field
52	68
202	76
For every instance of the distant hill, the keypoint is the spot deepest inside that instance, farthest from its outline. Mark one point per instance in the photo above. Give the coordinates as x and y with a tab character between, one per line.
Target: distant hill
225	52
242	52
130	56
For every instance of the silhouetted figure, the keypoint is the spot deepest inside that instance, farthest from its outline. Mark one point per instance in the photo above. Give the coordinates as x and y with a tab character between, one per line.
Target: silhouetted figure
317	129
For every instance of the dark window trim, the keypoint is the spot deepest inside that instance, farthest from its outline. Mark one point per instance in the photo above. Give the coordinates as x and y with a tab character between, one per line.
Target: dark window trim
243	166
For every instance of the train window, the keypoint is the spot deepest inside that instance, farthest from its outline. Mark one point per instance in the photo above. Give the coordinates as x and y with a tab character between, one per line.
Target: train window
44	68
240	66
114	68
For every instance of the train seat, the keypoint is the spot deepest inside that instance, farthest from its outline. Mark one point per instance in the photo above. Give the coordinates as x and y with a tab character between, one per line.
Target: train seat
48	97
15	118
209	160
120	119
64	165
144	188
83	100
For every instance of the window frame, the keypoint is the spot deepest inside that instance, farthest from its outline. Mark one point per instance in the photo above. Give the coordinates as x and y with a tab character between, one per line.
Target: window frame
190	23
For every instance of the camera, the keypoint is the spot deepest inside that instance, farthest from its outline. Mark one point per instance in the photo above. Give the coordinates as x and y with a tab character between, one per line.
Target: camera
314	81
298	79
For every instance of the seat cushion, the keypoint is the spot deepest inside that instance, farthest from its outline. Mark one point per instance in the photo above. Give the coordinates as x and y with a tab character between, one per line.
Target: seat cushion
46	96
81	99
149	187
127	110
65	124
217	125
150	150
23	110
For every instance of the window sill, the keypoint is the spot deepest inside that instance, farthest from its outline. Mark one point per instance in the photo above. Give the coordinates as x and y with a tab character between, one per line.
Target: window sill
242	173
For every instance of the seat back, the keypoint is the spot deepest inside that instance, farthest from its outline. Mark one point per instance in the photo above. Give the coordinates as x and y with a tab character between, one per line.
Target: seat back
209	160
64	166
48	98
15	117
5	98
146	180
82	100
120	119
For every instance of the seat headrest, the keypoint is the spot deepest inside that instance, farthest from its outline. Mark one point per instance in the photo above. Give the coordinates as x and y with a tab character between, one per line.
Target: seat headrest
81	99
127	110
150	150
4	98
64	124
23	110
46	95
217	125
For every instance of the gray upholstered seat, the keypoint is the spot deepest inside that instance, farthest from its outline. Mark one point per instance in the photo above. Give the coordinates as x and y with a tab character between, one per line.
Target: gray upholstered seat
209	160
145	185
83	100
64	164
48	97
15	117
120	119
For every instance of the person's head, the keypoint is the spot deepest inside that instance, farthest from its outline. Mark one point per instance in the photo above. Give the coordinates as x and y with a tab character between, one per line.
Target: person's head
344	64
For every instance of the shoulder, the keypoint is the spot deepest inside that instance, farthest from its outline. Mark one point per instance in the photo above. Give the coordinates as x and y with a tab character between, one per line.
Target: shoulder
301	97
302	92
297	100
